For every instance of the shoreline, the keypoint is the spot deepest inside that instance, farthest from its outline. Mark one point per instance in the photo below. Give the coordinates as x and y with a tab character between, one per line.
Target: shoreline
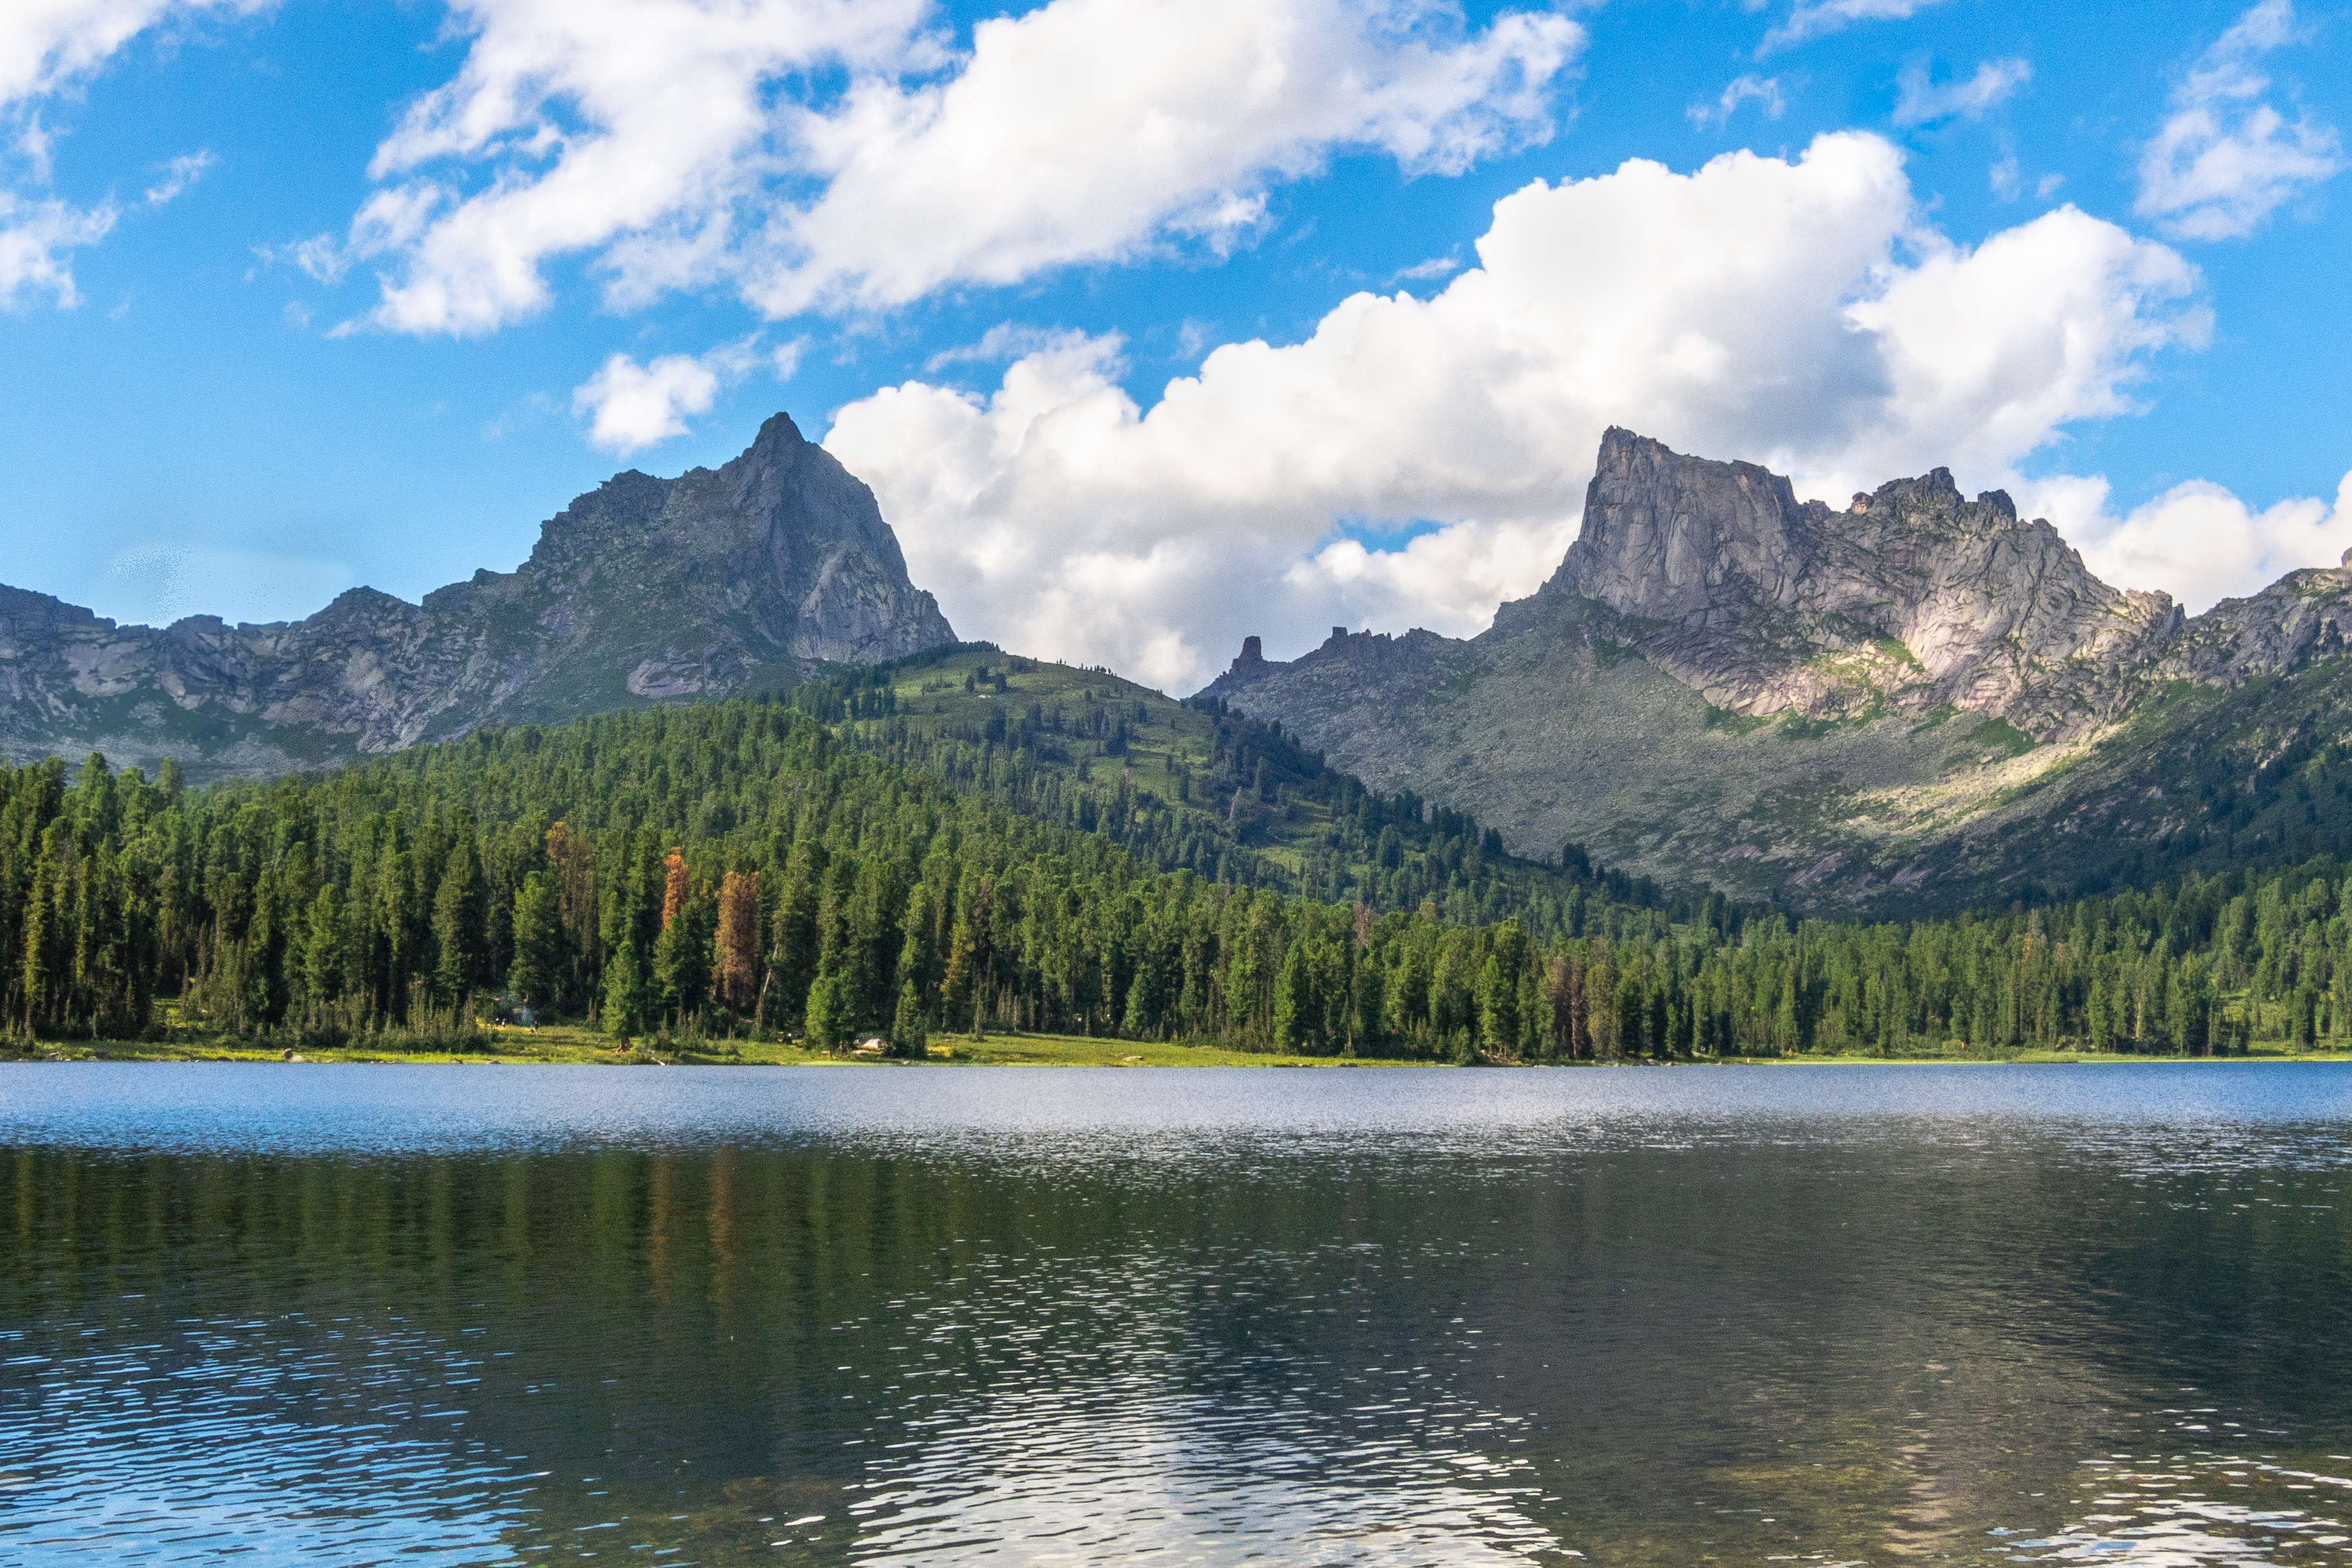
573	1047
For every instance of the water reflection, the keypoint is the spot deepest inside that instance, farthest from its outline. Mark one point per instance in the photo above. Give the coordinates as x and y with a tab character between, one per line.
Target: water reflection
1664	1317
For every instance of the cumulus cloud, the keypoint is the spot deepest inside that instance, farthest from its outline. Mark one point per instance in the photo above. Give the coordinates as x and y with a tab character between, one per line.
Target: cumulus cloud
1789	312
1811	18
2226	158
1089	128
677	144
631	406
1762	90
634	407
2197	541
1920	100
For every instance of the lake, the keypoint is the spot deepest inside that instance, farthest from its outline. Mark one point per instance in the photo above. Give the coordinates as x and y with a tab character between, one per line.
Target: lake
1804	1314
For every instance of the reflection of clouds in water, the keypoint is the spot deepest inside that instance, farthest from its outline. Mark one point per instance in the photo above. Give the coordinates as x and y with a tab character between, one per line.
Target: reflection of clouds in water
162	582
2163	1514
1190	1482
1174	1406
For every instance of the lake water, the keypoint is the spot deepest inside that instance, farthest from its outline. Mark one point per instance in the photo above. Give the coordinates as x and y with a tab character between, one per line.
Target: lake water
1813	1315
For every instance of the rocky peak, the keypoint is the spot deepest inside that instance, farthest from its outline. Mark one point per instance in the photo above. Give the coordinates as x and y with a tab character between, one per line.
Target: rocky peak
1667	536
642	590
1248	665
1911	599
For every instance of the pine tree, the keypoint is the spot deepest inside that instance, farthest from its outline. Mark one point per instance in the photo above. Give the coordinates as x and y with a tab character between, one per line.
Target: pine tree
1294	1003
909	1036
459	923
322	956
625	993
831	1024
538	931
735	965
1498	1009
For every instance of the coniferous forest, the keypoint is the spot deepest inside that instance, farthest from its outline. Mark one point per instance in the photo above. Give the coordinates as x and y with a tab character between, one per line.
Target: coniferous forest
740	869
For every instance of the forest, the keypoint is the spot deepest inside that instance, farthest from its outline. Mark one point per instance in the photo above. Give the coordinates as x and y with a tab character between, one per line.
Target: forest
739	869
1185	785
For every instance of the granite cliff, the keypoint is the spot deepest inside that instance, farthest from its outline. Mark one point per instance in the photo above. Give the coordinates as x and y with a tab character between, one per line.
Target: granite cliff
643	591
1860	707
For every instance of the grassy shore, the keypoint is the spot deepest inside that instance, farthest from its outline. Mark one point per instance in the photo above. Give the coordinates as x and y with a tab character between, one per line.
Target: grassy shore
567	1044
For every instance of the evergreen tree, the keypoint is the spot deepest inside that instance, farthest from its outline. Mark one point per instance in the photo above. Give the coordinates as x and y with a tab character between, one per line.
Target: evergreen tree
910	1035
1498	1009
322	959
625	993
538	932
460	925
1294	1003
832	1026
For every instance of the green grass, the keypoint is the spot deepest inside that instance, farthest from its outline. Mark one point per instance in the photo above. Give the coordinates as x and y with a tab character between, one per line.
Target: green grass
571	1045
574	1046
1898	649
1737	723
2002	736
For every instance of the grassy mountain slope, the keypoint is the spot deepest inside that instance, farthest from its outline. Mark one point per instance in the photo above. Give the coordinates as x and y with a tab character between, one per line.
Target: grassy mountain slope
1188	786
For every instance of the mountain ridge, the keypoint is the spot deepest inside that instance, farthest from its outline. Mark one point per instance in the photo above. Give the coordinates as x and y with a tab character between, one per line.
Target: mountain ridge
1862	709
644	590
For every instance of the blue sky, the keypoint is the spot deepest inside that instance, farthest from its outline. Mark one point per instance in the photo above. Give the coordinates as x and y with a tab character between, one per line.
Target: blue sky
304	295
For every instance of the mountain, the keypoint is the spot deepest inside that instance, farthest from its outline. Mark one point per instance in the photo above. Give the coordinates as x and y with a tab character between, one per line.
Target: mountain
1918	701
1186	786
643	591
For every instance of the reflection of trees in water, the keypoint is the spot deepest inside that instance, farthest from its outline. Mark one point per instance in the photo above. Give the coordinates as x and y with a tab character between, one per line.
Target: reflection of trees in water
1651	1355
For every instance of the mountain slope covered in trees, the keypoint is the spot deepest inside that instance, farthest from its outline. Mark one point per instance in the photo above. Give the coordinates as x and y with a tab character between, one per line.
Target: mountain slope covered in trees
739	867
1188	785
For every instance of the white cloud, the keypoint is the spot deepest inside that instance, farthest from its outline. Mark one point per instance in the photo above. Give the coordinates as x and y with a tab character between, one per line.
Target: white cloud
1421	271
1921	101
1086	130
36	237
178	174
1764	91
48	46
2197	541
1004	341
1788	312
1811	18
672	142
634	406
2227	159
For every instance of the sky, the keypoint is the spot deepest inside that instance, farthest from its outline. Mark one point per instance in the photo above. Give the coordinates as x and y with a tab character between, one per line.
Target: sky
1157	323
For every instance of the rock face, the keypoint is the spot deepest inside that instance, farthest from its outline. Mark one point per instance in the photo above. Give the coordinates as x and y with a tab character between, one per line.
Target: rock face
644	590
1911	600
1930	660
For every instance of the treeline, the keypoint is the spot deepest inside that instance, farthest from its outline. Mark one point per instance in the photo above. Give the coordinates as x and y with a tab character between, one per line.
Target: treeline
732	867
1255	788
736	868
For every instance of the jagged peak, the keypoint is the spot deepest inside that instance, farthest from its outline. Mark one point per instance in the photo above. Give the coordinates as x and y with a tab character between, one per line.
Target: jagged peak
1934	489
777	431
